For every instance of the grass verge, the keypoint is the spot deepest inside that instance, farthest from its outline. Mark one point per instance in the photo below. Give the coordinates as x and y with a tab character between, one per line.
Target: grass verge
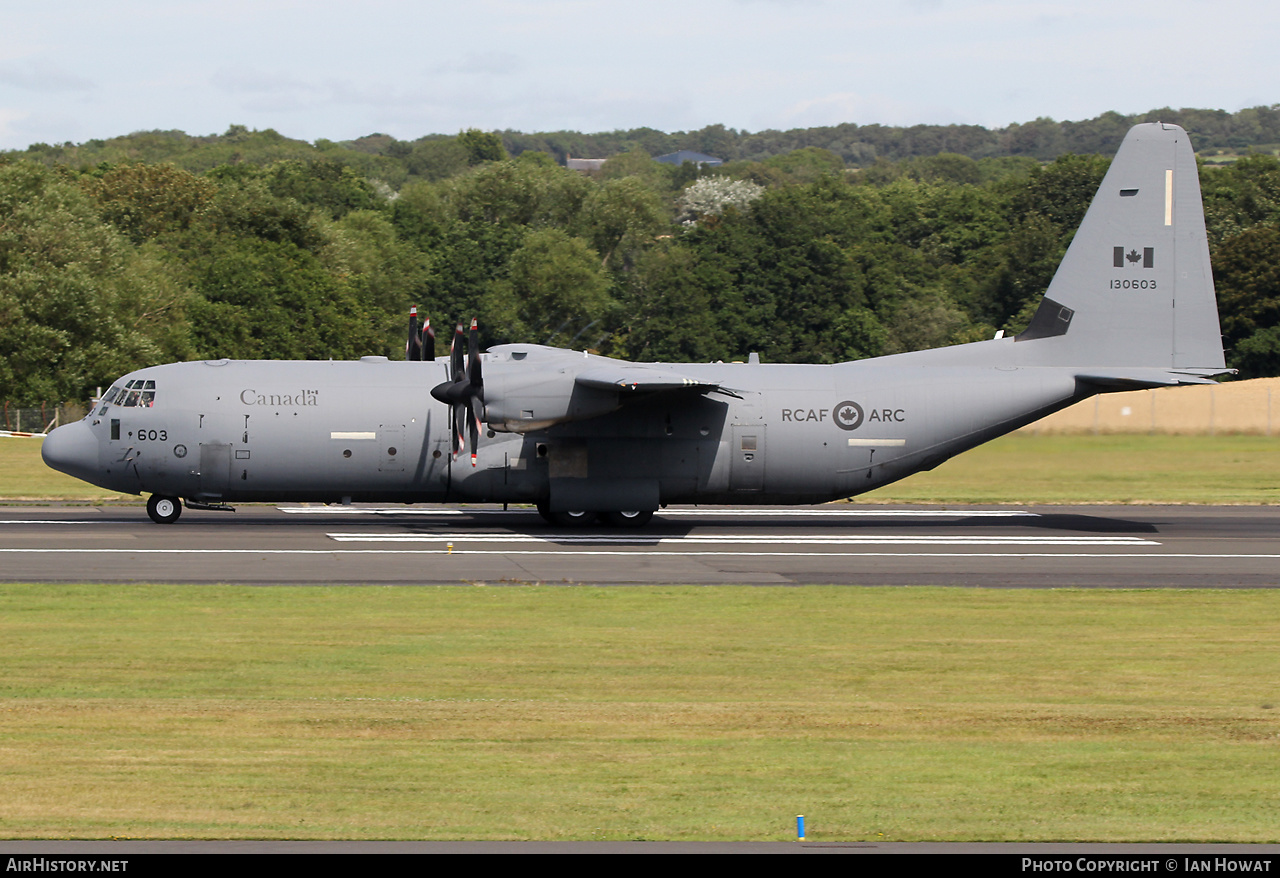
656	713
23	476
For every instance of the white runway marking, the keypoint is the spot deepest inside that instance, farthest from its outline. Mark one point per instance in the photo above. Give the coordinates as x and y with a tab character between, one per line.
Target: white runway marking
394	510
671	513
856	513
1145	556
743	539
52	521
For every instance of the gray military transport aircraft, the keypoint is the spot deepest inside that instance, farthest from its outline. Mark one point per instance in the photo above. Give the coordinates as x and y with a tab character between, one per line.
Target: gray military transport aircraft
582	436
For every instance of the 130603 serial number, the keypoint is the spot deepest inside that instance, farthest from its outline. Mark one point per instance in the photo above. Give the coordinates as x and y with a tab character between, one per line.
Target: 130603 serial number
1133	285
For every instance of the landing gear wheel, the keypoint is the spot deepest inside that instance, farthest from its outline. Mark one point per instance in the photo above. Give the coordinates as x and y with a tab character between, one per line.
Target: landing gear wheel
164	510
575	518
628	518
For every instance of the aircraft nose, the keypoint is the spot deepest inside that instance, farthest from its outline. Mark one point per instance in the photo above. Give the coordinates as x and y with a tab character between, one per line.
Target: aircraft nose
72	449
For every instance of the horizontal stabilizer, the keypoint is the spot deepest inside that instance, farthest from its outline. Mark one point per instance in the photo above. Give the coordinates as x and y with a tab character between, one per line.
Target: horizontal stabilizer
1139	379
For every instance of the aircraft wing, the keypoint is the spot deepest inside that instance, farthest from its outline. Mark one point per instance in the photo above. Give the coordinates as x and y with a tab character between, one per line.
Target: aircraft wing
642	379
535	399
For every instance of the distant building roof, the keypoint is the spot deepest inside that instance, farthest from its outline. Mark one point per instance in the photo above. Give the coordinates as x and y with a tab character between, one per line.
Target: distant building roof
687	155
583	164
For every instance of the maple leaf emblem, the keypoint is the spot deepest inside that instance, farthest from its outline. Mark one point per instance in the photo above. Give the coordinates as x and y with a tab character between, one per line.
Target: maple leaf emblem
847	415
1133	256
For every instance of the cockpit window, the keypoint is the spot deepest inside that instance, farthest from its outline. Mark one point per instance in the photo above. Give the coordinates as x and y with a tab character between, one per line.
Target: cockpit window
108	398
134	393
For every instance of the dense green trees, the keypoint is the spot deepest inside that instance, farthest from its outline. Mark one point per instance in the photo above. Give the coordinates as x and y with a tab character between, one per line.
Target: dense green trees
280	249
1247	273
78	303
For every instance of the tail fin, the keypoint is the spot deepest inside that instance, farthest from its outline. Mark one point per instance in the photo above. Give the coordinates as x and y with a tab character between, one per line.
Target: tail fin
1135	288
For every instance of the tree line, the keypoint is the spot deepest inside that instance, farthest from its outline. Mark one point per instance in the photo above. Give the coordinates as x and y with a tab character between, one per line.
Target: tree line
436	157
798	256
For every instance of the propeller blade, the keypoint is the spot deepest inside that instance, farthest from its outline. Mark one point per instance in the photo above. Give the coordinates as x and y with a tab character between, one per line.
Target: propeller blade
413	347
473	356
456	356
428	341
475	387
459	414
475	431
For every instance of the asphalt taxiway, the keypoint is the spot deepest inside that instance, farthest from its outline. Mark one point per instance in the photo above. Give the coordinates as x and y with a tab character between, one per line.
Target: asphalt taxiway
1076	546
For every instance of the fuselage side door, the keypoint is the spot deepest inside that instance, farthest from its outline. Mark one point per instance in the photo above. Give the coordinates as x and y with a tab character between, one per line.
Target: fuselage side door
215	470
746	463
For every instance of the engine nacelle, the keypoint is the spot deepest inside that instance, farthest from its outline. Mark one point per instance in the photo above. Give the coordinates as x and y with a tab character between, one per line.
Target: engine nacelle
524	403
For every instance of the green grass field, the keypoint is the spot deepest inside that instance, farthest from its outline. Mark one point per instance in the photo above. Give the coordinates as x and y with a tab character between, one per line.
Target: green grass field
638	713
1014	469
23	476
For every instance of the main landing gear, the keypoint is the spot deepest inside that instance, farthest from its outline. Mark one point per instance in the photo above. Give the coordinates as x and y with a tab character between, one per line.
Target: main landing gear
574	518
164	510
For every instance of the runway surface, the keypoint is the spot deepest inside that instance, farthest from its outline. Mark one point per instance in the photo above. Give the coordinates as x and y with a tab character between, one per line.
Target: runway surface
1100	546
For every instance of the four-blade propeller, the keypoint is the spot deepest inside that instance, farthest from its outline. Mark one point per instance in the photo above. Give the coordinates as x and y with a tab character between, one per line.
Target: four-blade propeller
464	391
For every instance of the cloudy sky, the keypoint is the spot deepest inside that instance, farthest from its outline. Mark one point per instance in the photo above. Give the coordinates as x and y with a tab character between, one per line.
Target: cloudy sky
71	70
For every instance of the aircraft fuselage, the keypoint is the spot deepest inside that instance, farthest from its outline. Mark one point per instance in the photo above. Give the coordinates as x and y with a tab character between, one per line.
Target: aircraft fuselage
237	431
